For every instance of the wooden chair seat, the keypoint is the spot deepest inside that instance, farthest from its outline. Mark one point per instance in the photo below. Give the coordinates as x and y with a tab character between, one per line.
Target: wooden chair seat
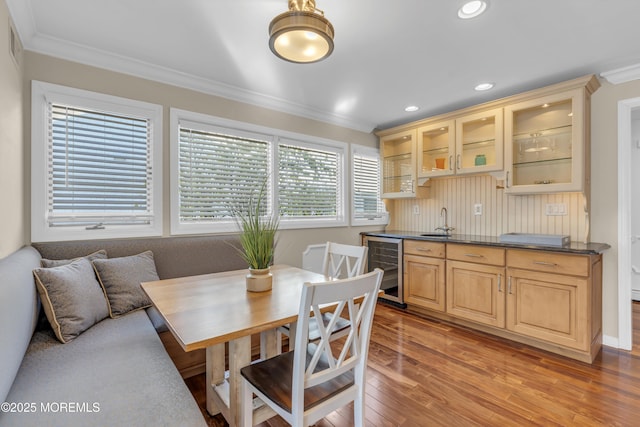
273	377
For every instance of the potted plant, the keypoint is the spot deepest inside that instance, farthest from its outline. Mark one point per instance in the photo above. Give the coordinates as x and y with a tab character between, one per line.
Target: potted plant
257	237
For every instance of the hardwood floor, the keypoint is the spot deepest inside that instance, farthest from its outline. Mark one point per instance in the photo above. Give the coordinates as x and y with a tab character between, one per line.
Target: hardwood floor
424	372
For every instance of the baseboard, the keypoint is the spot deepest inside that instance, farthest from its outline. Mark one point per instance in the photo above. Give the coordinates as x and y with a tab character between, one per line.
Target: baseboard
635	295
610	341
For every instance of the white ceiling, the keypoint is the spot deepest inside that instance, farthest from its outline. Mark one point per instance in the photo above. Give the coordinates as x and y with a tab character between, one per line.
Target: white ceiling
388	53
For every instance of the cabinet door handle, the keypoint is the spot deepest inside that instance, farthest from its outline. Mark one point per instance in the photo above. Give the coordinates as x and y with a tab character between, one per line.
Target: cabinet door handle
474	255
547	264
507	180
450	163
509	285
423	250
499	282
458	161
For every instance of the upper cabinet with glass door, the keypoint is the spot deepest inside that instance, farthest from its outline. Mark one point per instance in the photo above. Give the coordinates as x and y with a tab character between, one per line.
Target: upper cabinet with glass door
436	149
479	142
398	153
546	140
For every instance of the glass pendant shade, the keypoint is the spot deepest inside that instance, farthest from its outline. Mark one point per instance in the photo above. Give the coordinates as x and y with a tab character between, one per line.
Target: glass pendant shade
301	36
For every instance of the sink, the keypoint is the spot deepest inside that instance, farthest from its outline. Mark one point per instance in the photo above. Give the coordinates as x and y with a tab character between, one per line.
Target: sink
435	234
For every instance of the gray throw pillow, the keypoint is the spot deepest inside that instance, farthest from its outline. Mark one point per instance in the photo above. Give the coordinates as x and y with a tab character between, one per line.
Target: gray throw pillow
101	254
121	277
72	298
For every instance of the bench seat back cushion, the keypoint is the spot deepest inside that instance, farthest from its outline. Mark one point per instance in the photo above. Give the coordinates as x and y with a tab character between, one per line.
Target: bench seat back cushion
174	256
19	310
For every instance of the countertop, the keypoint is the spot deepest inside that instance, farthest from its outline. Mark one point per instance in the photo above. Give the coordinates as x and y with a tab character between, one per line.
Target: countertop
573	247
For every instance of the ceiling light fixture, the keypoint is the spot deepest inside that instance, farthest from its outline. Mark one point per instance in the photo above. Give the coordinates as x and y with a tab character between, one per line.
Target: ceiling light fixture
484	86
471	9
301	35
411	108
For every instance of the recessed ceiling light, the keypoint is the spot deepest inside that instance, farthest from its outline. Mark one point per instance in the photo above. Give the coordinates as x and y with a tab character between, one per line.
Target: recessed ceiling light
411	108
484	86
471	9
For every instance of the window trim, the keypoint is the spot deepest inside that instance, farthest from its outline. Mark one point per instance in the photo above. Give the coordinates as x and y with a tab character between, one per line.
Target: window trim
358	222
177	116
41	94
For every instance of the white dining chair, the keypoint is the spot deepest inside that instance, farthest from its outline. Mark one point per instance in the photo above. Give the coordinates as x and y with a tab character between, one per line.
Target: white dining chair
317	378
340	261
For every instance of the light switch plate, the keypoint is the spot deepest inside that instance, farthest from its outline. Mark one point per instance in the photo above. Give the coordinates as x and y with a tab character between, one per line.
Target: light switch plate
477	209
416	209
556	209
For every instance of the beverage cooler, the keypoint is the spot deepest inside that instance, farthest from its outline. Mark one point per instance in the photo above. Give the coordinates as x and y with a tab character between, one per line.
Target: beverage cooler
386	253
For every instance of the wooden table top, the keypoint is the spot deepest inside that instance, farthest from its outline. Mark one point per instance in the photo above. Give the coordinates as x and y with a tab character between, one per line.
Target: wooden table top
215	308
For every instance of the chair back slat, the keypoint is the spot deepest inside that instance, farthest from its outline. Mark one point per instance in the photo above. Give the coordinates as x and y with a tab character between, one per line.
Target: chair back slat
343	261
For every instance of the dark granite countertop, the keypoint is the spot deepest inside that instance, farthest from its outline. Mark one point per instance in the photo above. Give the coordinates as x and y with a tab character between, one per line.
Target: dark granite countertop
573	247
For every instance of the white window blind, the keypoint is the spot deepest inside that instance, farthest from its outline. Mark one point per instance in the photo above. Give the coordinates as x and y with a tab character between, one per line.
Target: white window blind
96	165
367	205
216	172
99	168
309	182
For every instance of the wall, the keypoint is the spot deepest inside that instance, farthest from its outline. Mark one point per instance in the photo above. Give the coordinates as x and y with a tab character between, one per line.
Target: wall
291	243
604	190
500	213
635	203
12	183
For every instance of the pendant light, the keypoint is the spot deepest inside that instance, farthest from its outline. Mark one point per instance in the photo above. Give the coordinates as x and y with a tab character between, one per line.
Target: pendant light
301	35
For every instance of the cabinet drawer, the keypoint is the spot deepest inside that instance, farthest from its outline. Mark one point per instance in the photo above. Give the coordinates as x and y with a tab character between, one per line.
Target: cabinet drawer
552	262
476	254
422	248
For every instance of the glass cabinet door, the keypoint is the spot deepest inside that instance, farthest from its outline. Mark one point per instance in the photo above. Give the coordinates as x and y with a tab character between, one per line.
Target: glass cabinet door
398	153
436	149
479	144
545	144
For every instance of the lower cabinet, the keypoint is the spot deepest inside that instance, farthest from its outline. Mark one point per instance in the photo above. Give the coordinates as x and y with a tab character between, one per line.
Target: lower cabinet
551	300
424	274
556	298
474	292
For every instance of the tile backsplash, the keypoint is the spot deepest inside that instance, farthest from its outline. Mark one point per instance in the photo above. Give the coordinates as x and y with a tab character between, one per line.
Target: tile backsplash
500	213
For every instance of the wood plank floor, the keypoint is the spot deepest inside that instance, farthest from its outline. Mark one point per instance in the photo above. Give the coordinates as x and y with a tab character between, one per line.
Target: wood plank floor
424	372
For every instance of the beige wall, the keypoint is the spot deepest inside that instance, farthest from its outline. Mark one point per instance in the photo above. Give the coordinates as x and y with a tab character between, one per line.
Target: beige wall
13	222
604	191
291	243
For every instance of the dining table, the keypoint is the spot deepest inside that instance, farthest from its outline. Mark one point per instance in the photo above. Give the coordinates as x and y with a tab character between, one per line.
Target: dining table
211	310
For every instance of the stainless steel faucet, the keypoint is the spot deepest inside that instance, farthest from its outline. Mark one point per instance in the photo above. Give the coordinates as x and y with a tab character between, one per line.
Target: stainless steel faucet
445	228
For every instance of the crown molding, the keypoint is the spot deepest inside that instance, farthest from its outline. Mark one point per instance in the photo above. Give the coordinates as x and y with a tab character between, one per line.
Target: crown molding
20	11
622	75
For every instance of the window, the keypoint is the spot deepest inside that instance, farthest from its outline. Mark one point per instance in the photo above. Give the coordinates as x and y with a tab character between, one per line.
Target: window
367	206
95	160
216	163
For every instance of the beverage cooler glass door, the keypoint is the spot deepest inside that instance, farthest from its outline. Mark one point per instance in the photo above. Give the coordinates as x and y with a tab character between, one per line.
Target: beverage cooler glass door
386	253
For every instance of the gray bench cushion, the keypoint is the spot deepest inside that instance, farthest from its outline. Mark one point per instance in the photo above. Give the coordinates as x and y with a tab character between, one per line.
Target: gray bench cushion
119	364
18	312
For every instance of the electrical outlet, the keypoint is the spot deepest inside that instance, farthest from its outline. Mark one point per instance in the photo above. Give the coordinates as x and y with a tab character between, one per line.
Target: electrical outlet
556	209
477	209
416	209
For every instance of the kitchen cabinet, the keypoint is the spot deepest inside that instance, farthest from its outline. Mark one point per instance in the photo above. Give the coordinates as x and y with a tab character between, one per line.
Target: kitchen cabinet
479	142
534	142
556	298
547	142
470	143
436	149
474	284
398	152
424	274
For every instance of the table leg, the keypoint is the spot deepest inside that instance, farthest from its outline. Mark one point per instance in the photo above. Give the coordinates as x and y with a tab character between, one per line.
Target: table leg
214	374
293	326
269	343
239	357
